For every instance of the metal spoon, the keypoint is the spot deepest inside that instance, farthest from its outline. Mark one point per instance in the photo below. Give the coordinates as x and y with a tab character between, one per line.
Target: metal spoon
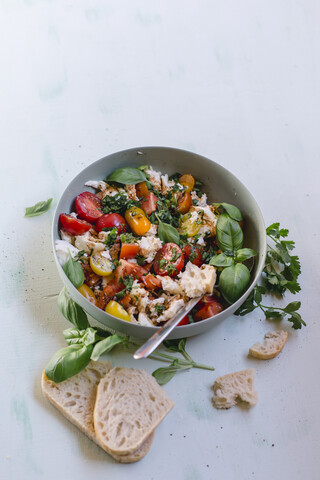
150	345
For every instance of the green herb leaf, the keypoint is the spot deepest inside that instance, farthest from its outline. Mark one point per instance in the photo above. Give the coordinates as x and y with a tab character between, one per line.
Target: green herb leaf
106	345
164	374
229	234
74	272
72	311
231	210
221	260
38	209
68	362
244	254
292	307
233	281
167	233
296	320
127	176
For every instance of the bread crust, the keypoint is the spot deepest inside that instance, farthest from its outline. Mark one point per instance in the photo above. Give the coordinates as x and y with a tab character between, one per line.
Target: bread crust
273	344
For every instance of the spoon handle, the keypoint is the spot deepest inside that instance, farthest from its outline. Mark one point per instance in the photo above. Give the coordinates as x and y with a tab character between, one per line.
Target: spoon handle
153	342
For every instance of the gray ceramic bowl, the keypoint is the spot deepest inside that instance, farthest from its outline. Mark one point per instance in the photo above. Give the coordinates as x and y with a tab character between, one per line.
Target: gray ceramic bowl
218	183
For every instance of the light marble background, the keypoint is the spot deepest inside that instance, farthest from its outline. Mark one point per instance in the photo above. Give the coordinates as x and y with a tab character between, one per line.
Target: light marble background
235	81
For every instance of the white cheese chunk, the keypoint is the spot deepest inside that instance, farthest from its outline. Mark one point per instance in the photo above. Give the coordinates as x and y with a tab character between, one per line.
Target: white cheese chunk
174	306
170	286
154	178
148	247
88	242
97	184
166	184
197	281
144	320
66	236
62	250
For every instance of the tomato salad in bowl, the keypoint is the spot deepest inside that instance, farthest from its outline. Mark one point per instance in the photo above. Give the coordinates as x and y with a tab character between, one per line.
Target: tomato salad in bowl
145	243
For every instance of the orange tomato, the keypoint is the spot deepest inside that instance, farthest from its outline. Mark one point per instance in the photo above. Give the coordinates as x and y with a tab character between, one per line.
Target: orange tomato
184	203
137	221
142	190
129	250
187	181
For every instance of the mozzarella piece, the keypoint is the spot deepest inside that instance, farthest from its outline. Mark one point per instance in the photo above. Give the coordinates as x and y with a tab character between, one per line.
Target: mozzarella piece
196	281
62	250
152	231
97	184
174	306
166	184
88	242
170	286
148	247
131	192
66	236
144	320
154	178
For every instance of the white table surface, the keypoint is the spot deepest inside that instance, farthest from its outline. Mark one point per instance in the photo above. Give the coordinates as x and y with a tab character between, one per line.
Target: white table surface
235	81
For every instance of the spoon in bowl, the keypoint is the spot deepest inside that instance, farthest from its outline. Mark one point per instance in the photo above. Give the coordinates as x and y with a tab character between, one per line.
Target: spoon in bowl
153	342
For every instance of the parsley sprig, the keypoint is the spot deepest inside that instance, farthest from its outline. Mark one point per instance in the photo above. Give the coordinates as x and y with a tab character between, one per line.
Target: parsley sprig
280	275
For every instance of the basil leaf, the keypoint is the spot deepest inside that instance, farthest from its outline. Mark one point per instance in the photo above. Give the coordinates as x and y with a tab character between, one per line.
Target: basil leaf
176	345
165	374
229	234
221	260
233	281
68	362
127	176
38	209
244	254
232	211
85	337
72	311
167	233
74	272
106	345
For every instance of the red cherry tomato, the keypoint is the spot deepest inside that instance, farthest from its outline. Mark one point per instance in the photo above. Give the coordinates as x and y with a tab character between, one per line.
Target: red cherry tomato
149	205
72	225
207	311
192	254
184	321
126	268
109	292
88	207
169	260
207	299
110	220
151	282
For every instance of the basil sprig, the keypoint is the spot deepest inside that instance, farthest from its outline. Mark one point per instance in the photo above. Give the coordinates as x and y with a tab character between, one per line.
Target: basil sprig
167	233
68	361
38	209
106	345
72	311
235	276
127	176
74	271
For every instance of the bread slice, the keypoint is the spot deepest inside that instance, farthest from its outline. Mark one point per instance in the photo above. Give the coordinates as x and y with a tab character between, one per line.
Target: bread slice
75	399
272	345
234	387
129	406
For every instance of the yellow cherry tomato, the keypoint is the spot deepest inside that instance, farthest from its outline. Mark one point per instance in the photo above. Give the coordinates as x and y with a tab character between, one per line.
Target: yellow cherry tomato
187	181
189	225
117	310
137	220
101	265
88	294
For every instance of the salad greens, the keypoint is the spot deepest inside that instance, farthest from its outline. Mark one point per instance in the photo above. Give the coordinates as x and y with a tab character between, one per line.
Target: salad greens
72	311
38	209
74	271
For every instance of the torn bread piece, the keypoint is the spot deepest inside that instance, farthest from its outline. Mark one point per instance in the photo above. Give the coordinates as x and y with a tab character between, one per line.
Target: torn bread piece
273	344
235	387
75	399
129	406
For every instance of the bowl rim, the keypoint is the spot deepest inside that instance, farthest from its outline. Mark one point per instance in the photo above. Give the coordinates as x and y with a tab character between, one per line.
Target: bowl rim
152	329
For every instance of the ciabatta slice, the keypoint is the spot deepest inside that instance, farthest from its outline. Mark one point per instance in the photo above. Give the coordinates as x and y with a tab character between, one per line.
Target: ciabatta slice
234	387
272	345
129	406
75	399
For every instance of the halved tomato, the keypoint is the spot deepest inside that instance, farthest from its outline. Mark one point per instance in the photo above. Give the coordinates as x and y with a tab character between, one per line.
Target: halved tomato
110	220
73	225
129	250
169	260
151	282
109	292
207	311
88	207
184	321
187	181
101	265
126	268
142	190
184	203
150	204
88	294
192	253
